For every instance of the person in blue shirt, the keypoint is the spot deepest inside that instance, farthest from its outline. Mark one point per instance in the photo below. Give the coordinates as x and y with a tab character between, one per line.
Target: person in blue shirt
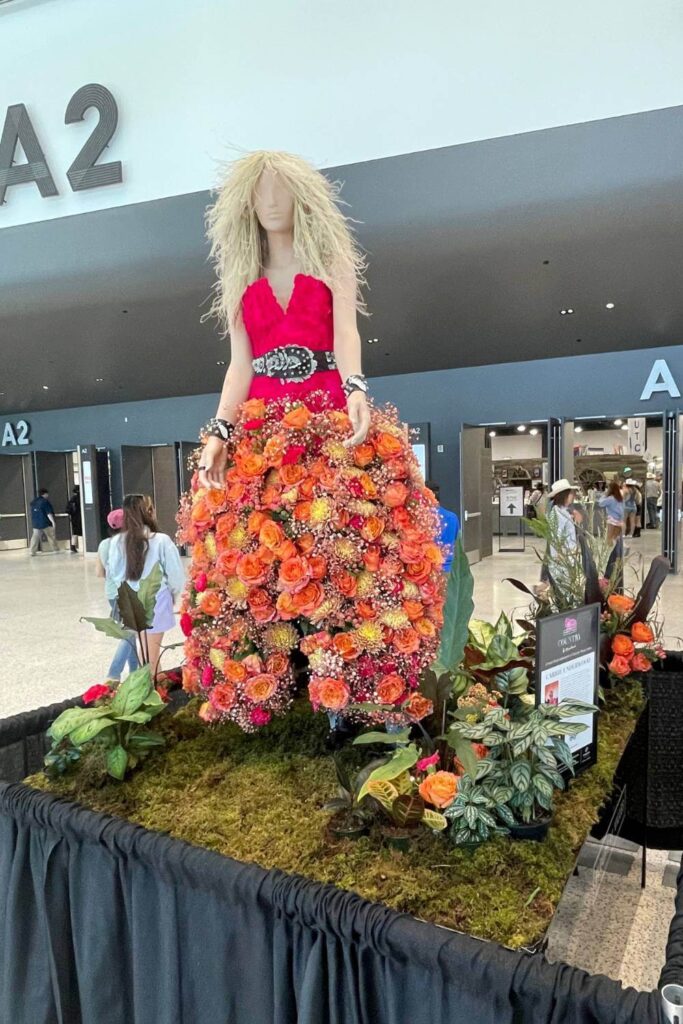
42	521
450	528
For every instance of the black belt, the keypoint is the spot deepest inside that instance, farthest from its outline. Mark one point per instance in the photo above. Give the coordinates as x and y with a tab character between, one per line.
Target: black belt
294	363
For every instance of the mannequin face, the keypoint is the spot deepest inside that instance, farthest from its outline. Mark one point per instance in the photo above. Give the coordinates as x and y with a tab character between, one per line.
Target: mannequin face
274	203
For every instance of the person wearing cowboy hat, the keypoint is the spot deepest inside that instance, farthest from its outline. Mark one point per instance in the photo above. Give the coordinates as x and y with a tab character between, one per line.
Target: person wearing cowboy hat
563	526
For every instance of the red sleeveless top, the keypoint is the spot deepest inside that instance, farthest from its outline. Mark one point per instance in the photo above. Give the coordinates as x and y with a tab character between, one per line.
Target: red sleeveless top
306	321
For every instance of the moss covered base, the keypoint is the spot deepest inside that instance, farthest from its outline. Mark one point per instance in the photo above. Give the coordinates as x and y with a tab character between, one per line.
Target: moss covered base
259	798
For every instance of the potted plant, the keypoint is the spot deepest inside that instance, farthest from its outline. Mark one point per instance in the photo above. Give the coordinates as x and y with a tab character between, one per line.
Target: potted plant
350	820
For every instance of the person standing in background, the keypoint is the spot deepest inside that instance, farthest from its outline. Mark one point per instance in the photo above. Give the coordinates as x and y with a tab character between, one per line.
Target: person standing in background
126	653
538	502
630	508
652	493
450	528
73	510
638	495
42	521
613	505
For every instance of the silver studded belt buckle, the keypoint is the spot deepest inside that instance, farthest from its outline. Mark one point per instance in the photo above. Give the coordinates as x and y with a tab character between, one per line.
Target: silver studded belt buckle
290	363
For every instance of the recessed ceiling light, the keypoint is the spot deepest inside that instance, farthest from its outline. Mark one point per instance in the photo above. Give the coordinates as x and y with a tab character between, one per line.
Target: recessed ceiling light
566	312
372	341
625	426
609	305
533	431
521	428
124	310
98	380
45	387
617	423
220	362
492	433
578	430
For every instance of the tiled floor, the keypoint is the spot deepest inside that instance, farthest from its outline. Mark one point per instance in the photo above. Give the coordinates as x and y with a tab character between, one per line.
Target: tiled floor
605	922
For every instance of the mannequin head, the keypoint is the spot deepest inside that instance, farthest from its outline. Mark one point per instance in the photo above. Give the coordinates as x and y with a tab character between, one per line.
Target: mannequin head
270	192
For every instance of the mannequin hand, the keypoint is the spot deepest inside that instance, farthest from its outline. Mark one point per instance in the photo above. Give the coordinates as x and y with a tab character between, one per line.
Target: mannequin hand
214	459
359	414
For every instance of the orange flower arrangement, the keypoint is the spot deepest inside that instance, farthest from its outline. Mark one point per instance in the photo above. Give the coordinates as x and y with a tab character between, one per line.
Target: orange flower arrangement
620	604
439	789
641	633
622	645
314	546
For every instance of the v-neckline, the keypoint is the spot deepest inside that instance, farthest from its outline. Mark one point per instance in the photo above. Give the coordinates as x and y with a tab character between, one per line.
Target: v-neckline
283	309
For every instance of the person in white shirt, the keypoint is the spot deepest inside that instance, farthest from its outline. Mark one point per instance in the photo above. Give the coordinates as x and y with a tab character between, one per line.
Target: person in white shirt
126	653
652	493
131	557
563	523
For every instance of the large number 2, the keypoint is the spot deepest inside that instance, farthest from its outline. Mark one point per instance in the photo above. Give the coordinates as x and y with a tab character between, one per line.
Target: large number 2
84	171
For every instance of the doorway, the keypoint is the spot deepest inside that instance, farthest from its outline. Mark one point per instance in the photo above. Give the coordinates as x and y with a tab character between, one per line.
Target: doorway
161	472
476	493
16	492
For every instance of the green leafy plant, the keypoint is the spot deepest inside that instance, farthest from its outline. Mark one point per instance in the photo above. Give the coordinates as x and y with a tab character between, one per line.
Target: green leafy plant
478	813
115	724
394	790
136	609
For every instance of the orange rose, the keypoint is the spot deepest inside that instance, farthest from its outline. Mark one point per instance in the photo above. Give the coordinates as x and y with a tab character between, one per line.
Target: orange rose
260	688
345	645
225	524
641	633
346	583
309	598
411	549
285	606
226	563
418	707
191	679
397	469
286	550
419	572
318	567
425	627
387	446
329	693
253	664
277	664
271	497
320	641
265	554
619	666
439	789
201	514
368	486
395	494
434	554
215	499
291	474
400	518
413	609
234	671
250	465
251	570
271	535
363	454
641	664
256	521
222	697
294	574
297	418
391	566
621	604
307	487
260	605
371	557
338	420
372	528
306	543
302	511
235	492
341	519
621	644
274	449
406	641
390	689
210	602
253	409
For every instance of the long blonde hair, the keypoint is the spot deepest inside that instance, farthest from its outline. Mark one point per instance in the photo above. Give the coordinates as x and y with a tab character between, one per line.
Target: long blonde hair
323	241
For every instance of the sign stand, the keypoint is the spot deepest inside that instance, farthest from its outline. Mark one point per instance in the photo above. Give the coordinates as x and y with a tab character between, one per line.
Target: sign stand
511	506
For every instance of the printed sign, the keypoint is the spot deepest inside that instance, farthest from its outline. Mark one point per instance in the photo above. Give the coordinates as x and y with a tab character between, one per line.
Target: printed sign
87	482
637	435
567	669
16	434
511	501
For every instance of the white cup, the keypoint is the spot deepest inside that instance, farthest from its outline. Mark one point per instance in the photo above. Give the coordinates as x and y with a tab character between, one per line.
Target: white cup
672	1003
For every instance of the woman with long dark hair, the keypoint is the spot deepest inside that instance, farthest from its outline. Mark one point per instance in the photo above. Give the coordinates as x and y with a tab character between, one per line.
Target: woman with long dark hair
131	558
613	504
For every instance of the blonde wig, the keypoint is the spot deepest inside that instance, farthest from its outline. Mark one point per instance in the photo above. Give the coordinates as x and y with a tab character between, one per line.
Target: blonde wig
323	238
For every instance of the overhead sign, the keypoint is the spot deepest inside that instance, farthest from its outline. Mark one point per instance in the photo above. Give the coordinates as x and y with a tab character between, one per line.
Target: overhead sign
511	501
14	434
567	669
660	379
637	435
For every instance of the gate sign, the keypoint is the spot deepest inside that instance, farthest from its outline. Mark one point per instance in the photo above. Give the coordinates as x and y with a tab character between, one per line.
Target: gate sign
15	433
511	501
637	435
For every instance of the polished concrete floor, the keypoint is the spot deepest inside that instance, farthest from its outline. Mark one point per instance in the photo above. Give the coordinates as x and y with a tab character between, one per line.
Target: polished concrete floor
605	922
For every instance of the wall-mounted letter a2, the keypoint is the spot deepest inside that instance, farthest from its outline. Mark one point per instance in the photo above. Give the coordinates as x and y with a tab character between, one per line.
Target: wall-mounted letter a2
18	129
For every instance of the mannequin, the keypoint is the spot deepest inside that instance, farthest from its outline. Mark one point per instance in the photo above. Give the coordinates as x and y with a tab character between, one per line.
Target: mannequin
312	531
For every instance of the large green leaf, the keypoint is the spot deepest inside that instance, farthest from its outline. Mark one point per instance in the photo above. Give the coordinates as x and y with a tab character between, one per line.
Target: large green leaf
392	738
72	718
520	773
89	730
463	750
145	740
481	633
117	762
457	613
148	590
408	809
132	692
434	820
500	651
109	627
401	761
131	609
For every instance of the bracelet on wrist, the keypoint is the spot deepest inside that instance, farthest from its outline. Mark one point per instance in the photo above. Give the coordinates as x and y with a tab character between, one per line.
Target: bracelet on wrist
217	428
355	382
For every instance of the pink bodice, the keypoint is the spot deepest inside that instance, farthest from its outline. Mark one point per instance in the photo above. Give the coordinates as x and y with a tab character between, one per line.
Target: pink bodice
306	321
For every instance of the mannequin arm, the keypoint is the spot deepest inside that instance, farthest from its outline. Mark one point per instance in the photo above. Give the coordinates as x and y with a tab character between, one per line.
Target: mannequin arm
238	376
347	351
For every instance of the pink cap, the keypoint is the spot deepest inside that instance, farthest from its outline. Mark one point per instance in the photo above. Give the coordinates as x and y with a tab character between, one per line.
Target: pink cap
115	518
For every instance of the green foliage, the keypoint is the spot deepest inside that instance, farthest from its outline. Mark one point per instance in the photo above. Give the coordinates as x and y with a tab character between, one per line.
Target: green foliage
474	815
109	627
457	613
400	761
114	726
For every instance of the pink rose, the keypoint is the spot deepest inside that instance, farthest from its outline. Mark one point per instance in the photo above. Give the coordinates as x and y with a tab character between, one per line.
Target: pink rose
427	762
207	675
200	582
253	664
95	692
186	623
259	716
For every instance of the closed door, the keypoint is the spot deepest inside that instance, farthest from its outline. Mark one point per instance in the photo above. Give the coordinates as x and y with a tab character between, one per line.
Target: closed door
153	470
476	487
15	481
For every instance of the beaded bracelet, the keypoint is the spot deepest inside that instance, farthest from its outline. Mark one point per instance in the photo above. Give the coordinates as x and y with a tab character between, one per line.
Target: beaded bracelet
217	428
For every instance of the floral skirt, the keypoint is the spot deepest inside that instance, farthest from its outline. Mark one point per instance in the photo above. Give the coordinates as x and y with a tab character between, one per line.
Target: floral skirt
312	549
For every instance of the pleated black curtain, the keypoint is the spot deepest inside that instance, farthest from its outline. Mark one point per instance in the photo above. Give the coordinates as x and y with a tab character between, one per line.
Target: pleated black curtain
102	922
